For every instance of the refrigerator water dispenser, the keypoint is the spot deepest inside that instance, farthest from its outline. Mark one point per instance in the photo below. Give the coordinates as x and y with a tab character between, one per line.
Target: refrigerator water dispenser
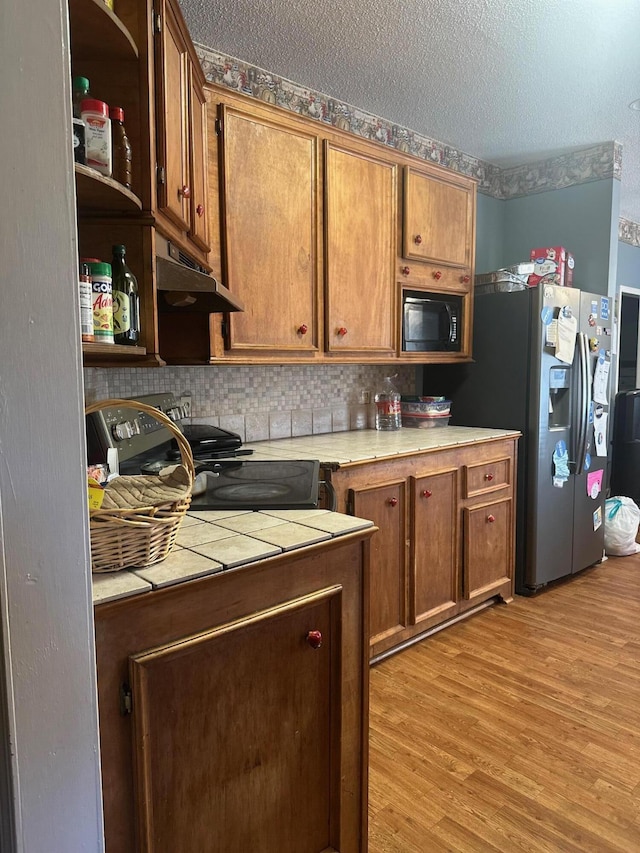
559	397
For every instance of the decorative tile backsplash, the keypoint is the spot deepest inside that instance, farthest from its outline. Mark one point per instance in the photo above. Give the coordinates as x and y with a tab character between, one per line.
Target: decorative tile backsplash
261	402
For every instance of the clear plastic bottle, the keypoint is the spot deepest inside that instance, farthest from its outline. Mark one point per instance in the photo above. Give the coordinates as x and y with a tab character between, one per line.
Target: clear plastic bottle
388	415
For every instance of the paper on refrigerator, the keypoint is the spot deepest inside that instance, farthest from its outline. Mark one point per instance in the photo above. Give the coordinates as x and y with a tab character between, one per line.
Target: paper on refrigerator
566	331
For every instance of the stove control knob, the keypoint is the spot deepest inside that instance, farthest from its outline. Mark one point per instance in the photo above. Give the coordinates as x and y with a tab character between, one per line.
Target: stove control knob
175	413
125	429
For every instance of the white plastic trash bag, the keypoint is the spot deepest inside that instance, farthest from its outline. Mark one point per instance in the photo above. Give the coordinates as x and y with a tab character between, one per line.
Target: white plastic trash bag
621	520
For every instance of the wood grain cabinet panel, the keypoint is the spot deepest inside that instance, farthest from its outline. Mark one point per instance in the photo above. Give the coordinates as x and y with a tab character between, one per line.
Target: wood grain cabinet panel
446	535
386	506
234	708
434	581
439	217
488	546
270	221
218	769
360	252
198	213
172	119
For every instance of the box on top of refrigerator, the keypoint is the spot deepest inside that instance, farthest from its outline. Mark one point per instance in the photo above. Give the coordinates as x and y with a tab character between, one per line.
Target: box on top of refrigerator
553	265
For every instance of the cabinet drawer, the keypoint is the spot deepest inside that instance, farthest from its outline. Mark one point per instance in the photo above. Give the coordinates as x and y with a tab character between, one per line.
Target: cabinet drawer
436	277
486	477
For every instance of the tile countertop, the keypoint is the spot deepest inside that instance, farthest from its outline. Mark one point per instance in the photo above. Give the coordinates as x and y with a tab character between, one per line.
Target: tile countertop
345	448
211	542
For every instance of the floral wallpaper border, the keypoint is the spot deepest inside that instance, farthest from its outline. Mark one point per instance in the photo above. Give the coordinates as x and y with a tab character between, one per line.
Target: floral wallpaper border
629	232
591	164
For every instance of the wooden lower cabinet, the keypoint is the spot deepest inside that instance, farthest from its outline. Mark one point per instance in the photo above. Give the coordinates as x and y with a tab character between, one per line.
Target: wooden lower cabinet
446	534
248	697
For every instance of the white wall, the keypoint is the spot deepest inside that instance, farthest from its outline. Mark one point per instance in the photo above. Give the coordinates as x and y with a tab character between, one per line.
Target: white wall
49	708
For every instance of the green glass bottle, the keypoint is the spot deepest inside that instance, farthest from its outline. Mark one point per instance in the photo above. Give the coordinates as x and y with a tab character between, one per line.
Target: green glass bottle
126	301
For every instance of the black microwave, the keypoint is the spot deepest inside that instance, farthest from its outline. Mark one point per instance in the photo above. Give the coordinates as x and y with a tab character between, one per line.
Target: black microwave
431	322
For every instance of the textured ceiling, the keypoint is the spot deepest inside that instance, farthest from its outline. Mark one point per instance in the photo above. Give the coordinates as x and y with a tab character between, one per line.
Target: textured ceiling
507	81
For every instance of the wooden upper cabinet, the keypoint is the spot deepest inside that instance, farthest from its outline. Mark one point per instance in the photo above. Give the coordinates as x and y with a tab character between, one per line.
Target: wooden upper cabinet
360	251
172	119
439	217
199	228
270	222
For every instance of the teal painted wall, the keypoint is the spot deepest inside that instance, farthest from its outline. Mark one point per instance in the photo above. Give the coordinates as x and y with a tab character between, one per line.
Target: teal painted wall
583	219
489	233
628	265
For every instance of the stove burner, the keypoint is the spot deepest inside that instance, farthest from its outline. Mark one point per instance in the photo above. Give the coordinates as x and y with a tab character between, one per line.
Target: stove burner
275	484
249	491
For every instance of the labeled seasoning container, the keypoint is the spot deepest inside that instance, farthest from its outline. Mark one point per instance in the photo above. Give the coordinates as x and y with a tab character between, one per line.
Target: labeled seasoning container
86	303
97	132
102	300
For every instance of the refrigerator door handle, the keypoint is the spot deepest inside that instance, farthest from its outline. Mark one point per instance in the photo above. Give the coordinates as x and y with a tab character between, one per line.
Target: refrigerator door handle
583	355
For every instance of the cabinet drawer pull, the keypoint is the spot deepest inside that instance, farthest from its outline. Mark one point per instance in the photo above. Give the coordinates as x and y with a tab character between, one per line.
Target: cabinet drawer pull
427	493
417	239
199	210
405	270
303	329
185	191
488	477
465	279
342	331
437	275
314	638
393	501
491	519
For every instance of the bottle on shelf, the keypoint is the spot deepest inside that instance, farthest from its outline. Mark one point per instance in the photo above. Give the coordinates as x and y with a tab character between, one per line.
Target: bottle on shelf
95	115
80	86
120	148
126	300
387	400
86	303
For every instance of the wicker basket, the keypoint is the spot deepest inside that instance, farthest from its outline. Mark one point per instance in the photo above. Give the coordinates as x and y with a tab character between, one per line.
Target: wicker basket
145	535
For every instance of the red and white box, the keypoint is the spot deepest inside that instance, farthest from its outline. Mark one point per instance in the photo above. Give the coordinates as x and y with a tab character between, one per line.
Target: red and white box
553	265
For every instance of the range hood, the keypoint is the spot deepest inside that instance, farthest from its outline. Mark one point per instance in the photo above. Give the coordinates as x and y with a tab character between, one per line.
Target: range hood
183	285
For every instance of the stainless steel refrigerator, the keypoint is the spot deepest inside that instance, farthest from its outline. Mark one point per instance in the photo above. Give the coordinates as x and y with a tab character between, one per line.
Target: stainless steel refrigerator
517	381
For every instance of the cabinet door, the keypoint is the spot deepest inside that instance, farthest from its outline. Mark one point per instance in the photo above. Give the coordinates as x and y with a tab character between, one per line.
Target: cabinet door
488	547
386	507
434	582
270	215
244	756
199	232
360	252
172	122
439	218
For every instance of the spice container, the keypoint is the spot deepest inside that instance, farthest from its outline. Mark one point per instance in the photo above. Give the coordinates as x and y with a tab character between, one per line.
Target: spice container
102	296
86	303
95	115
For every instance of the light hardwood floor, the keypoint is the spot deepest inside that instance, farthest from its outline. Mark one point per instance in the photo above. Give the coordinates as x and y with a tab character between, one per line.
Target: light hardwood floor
517	729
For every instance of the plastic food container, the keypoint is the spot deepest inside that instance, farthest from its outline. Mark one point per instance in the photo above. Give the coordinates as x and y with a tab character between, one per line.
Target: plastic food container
425	412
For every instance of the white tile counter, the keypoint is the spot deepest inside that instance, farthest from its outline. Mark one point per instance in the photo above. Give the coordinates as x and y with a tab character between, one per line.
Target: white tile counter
211	542
364	445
